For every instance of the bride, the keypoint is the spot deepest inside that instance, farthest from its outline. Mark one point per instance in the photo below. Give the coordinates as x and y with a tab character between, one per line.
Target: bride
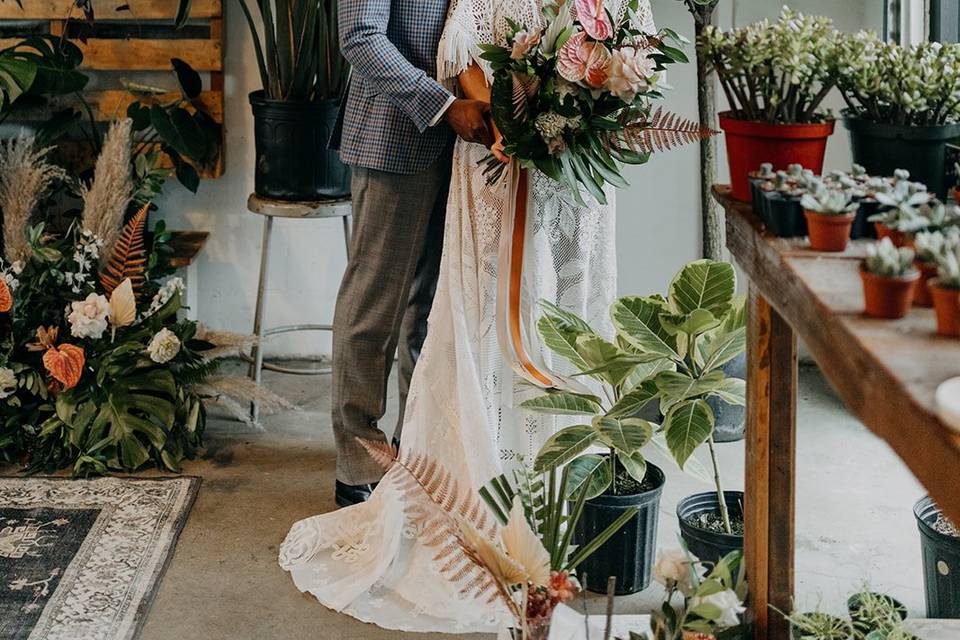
463	401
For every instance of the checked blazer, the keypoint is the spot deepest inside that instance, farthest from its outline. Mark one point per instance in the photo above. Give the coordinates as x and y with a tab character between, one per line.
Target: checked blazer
393	95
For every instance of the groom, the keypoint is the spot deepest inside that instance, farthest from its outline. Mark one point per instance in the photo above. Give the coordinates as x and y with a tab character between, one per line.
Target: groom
396	130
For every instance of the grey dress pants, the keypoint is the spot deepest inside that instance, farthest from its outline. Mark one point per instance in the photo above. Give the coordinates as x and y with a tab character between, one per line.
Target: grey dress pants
383	303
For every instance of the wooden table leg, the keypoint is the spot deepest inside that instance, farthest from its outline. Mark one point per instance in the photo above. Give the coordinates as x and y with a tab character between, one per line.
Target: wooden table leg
770	466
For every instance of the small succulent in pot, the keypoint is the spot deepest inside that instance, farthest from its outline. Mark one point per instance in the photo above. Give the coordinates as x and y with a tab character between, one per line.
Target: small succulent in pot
900	202
830	213
945	288
929	247
889	279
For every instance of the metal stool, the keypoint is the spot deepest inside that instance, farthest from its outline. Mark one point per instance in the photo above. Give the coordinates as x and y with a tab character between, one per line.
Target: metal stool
271	209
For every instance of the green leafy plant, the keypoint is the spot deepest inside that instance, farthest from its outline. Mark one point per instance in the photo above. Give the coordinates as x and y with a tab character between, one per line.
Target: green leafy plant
816	625
779	72
296	45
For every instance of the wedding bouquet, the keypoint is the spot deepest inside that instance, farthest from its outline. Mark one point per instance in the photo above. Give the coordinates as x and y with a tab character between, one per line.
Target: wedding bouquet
97	371
572	97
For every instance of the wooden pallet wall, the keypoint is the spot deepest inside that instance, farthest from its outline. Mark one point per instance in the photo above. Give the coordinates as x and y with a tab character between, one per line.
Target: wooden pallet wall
135	36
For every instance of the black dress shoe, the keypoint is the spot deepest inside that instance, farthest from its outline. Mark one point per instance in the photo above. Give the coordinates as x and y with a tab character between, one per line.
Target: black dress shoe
348	495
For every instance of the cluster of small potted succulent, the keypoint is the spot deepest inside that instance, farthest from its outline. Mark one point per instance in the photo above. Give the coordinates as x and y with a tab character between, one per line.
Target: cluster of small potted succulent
901	106
873	616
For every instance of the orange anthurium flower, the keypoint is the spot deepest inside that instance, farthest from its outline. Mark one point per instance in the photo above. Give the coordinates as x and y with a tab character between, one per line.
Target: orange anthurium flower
65	363
6	298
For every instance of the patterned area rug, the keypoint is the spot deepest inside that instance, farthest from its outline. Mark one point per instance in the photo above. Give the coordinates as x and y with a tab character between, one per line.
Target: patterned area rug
82	559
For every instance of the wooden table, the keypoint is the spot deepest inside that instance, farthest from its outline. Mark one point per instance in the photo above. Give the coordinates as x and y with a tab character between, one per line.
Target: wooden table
885	371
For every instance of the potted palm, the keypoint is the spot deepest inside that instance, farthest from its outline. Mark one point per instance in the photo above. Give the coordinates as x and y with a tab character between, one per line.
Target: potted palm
304	77
830	214
775	78
901	106
889	279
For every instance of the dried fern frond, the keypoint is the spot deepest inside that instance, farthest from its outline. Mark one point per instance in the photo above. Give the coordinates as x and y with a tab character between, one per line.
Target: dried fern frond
662	132
524	87
226	344
235	393
105	201
128	259
25	175
442	512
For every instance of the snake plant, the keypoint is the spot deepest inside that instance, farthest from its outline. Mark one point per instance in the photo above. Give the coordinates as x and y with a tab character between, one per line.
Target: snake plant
296	45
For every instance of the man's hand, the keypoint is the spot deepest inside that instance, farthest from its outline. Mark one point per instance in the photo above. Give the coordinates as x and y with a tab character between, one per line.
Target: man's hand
469	119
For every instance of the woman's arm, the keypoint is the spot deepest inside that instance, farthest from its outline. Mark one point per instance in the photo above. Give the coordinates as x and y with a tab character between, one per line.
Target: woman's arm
473	82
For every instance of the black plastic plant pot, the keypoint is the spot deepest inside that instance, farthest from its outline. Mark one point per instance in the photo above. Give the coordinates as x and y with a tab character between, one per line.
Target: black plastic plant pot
629	554
784	215
731	419
941	563
757	197
293	161
862	227
922	150
709	546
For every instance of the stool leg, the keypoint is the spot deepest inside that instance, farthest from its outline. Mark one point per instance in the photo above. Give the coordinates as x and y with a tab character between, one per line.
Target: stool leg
256	368
347	236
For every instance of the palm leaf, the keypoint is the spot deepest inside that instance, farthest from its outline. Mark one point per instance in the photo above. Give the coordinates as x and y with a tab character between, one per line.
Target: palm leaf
129	257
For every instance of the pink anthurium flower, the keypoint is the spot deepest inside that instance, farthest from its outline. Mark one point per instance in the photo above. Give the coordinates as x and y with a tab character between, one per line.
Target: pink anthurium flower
580	60
592	15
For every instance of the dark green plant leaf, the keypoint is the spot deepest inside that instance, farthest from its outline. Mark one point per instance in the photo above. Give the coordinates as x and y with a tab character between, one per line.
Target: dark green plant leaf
189	80
687	426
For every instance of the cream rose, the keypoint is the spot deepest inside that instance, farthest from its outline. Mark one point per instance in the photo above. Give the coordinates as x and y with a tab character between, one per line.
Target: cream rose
8	382
629	73
164	347
88	318
673	567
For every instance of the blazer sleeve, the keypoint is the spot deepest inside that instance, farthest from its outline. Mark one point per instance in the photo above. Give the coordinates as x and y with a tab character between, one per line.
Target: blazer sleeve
364	43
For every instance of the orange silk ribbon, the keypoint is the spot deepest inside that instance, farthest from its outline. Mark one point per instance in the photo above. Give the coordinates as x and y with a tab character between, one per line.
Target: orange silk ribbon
510	329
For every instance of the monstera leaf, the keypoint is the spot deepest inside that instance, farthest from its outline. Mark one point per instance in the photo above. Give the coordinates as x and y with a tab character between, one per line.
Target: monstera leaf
139	408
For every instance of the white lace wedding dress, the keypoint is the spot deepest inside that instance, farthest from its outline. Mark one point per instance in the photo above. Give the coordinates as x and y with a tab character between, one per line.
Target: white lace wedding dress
462	408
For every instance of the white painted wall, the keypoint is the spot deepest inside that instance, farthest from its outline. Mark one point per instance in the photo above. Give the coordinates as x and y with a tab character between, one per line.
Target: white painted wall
658	216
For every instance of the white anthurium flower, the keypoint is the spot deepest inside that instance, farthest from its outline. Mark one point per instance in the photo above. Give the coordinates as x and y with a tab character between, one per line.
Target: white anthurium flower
727	602
8	382
88	318
164	347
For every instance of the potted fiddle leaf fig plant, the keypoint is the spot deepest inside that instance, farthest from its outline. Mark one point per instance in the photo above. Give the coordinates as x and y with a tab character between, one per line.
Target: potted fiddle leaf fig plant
620	479
830	214
889	278
304	77
775	77
901	106
695	331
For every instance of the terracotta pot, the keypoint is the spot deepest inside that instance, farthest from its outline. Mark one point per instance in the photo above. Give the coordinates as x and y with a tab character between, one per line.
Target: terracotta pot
885	297
898	238
829	232
946	303
955	194
750	144
692	635
921	295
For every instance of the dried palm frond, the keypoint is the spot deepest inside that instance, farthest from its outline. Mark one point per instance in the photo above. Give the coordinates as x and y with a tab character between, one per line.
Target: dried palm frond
25	175
235	393
662	132
128	259
451	520
105	201
524	87
226	344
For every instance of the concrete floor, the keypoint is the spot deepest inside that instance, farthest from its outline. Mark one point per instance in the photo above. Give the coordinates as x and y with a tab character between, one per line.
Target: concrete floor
854	521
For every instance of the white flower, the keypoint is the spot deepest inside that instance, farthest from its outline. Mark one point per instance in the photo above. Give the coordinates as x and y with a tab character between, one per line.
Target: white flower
168	290
17	267
673	567
630	72
523	42
729	605
164	347
88	318
8	382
